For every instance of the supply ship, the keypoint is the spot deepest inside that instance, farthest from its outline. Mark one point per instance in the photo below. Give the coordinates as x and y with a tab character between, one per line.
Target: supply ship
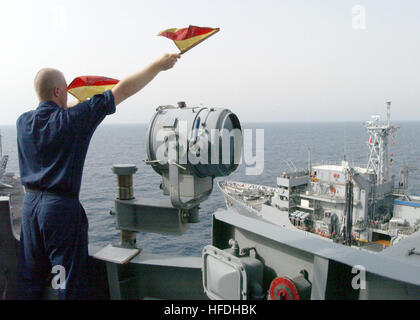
328	232
350	205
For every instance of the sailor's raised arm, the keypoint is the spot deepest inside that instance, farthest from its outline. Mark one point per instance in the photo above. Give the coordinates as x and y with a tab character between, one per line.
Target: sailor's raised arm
134	83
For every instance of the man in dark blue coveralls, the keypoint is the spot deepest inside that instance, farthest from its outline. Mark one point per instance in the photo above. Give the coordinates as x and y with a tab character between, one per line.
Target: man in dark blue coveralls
52	144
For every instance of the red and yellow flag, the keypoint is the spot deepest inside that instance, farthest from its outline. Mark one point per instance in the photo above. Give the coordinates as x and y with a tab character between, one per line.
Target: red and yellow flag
85	87
187	38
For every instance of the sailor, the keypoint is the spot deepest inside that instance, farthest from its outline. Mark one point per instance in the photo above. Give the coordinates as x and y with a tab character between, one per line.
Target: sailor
52	142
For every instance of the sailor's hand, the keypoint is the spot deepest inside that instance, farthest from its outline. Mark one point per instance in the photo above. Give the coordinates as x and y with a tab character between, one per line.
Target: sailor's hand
167	61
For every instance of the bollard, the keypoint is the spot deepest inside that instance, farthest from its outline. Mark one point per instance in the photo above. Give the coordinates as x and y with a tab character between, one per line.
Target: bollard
124	174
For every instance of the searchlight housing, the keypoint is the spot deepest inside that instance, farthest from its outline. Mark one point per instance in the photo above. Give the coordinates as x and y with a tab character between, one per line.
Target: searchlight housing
188	147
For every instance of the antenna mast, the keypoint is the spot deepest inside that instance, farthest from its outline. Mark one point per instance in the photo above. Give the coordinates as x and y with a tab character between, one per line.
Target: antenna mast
378	144
309	161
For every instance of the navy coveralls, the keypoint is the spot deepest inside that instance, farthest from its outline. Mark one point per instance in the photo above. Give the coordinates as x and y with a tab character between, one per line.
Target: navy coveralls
52	147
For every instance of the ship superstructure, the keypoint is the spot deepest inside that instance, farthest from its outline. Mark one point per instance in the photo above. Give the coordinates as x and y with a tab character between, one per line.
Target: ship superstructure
347	204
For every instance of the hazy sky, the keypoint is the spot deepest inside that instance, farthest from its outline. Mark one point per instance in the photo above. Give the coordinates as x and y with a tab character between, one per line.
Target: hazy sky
294	60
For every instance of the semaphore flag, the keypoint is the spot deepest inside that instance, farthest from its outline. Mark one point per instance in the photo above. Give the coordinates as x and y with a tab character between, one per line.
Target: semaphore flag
85	87
187	38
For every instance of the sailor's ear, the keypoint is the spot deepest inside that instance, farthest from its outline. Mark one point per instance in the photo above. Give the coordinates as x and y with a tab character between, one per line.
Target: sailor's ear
56	92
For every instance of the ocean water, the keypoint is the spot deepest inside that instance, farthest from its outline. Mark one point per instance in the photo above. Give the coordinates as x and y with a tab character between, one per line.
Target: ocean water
283	143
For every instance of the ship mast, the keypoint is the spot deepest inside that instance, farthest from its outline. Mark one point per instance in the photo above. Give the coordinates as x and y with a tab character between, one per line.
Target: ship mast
309	161
378	144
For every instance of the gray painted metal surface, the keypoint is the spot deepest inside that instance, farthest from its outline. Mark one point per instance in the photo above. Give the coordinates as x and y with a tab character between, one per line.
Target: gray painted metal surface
149	215
155	276
378	264
320	278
